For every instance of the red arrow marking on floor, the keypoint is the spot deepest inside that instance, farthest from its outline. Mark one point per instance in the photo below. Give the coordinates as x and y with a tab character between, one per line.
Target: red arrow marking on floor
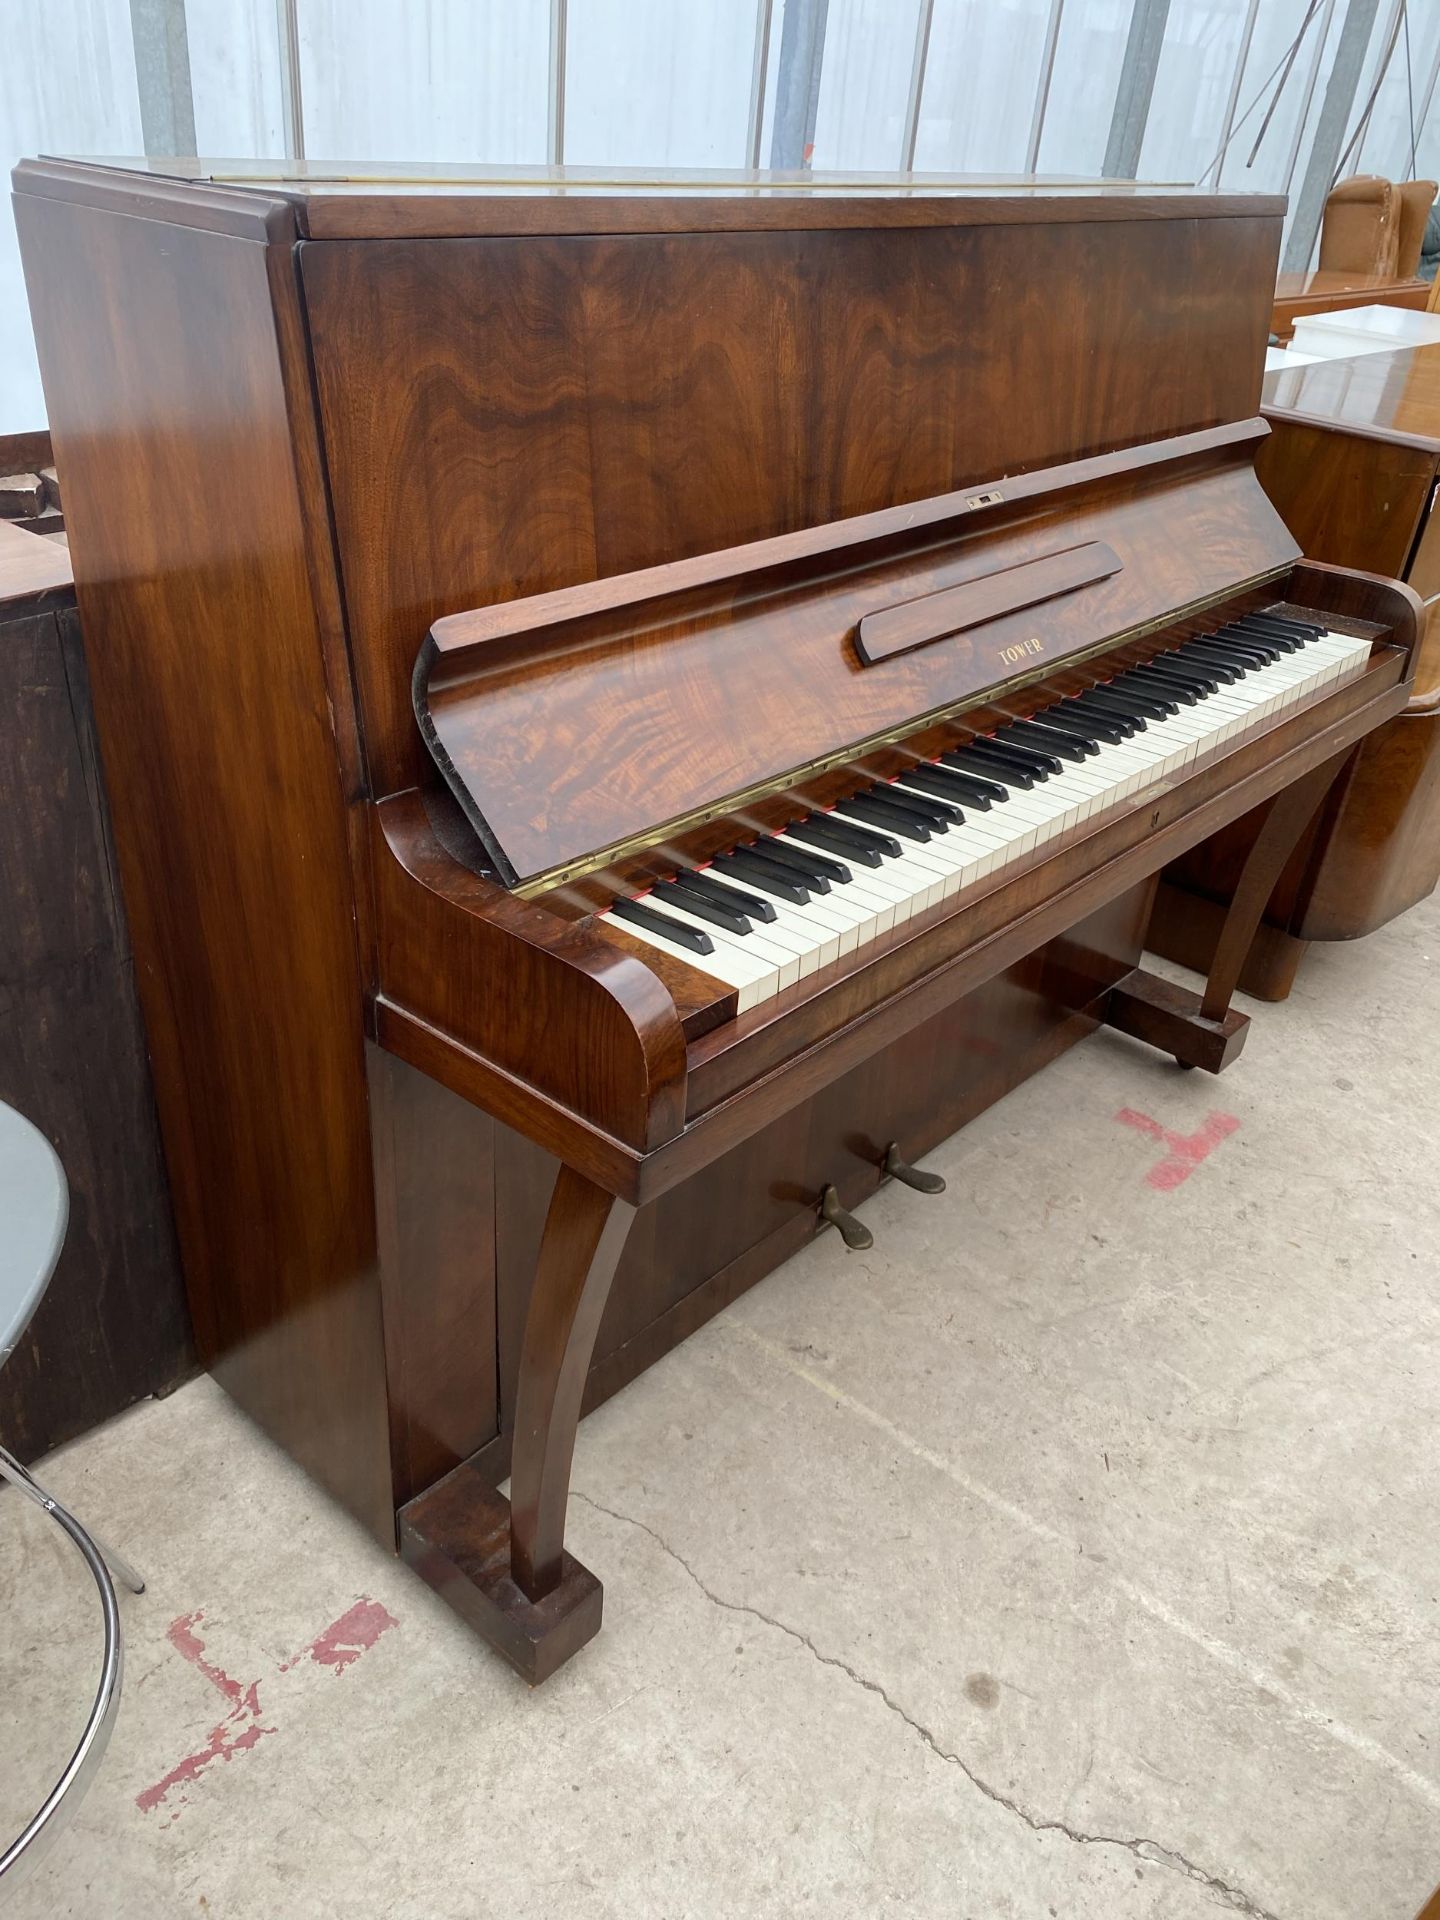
1186	1150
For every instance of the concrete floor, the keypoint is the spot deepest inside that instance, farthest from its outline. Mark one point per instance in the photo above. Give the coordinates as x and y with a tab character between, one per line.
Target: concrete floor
1073	1553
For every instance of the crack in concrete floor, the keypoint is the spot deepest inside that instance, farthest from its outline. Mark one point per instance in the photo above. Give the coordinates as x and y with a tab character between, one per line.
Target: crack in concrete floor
1150	1851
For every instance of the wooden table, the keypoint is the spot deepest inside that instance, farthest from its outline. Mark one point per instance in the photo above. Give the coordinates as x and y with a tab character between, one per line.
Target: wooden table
1327	291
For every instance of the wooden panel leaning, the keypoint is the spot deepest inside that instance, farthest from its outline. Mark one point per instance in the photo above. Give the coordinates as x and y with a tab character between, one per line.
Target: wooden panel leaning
112	1327
1351	463
512	551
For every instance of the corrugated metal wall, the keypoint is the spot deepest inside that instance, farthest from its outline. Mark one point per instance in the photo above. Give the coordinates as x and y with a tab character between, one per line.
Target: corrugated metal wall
988	86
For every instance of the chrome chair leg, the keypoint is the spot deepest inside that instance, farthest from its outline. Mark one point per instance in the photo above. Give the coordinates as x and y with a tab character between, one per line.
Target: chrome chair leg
60	1803
21	1477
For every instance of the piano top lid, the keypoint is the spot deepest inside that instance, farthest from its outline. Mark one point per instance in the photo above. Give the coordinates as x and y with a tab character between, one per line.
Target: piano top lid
574	723
353	199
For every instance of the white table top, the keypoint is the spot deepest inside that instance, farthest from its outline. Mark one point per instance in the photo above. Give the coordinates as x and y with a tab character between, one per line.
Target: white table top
1364	330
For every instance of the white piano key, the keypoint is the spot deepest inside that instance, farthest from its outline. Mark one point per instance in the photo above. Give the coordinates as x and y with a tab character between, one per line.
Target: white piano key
750	988
748	952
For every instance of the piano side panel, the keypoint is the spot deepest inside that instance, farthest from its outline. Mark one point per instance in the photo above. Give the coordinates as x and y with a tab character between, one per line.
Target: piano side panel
506	416
164	365
708	1240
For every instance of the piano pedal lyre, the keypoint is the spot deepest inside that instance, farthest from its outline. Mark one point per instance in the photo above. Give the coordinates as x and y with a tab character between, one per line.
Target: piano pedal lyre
909	1176
856	1235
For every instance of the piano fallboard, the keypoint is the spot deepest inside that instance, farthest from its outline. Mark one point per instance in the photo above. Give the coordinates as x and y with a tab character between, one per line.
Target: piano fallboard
574	724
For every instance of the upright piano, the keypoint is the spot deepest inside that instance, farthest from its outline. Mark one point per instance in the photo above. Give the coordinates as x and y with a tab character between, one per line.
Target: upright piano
633	709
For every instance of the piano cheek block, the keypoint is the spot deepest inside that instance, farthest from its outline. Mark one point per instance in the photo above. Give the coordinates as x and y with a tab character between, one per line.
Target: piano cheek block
457	1538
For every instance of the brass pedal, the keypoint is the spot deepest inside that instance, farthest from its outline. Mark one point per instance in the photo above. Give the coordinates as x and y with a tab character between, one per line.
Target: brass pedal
856	1235
901	1170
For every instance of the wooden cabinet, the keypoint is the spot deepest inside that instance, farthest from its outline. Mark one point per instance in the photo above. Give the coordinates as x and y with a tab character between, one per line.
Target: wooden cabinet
1353	464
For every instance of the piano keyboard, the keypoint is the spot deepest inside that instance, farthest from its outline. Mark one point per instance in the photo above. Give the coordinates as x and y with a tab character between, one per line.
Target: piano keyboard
781	906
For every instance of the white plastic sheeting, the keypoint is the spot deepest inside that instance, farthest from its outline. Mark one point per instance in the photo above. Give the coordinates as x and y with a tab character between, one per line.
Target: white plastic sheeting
668	83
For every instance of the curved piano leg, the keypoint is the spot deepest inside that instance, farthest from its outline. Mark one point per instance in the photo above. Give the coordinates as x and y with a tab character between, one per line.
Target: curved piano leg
1204	1030
1291	812
585	1233
501	1564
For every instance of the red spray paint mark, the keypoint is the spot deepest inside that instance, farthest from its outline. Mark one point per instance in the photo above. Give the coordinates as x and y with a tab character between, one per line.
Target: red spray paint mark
237	1733
345	1639
187	1643
1186	1150
338	1647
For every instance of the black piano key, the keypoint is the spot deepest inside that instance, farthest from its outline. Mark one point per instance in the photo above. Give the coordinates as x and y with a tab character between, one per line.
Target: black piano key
1310	629
1118	704
688	939
930	803
701	880
1085	707
1172	686
918	806
1283	636
875	812
1012	736
1170	699
759	873
1268	637
1255	634
1089	732
817	871
1227	642
1143	705
676	894
946	784
971	760
1243	658
1185	673
1241	651
1046	740
843	836
1237	636
1002	754
1225	671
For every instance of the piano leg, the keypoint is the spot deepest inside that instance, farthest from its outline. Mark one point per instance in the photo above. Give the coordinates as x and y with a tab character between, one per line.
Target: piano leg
585	1233
1203	1030
502	1565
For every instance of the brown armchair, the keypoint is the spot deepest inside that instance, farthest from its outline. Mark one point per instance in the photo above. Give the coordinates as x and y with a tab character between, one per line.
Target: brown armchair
1360	232
1416	198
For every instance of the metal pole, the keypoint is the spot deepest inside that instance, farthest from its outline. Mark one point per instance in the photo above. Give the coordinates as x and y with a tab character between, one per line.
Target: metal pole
797	84
555	122
1356	145
1227	125
1314	75
1137	85
292	112
1339	98
763	12
1042	89
162	73
1424	113
917	85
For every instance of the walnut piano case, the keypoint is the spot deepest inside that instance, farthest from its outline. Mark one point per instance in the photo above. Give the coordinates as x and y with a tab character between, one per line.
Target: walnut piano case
505	549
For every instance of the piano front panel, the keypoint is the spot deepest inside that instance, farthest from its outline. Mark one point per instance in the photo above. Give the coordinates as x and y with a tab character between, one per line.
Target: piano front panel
507	416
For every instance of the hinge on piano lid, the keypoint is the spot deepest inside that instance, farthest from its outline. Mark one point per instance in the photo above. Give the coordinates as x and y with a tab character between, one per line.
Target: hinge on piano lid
560	876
